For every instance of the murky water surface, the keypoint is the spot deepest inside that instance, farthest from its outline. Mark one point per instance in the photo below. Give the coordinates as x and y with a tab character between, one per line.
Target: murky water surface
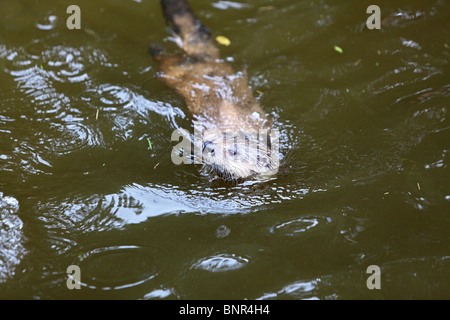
364	132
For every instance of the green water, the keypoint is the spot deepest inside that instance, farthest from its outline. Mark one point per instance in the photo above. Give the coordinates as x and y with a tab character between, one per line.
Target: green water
364	135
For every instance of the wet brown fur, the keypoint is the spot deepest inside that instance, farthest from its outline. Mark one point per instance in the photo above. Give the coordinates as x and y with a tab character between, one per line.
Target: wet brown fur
217	96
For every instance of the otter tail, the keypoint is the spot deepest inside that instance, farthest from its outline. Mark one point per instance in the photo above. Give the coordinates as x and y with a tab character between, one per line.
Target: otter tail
195	37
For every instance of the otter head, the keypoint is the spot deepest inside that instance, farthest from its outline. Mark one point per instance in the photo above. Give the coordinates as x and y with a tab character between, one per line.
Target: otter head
240	154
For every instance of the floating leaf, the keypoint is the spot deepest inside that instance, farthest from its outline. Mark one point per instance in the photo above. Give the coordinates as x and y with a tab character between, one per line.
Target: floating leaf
223	40
150	144
266	8
338	49
42	68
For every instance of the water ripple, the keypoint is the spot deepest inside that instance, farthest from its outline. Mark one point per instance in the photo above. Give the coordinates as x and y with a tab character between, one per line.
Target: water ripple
117	267
110	97
221	263
298	226
296	290
11	237
47	23
70	137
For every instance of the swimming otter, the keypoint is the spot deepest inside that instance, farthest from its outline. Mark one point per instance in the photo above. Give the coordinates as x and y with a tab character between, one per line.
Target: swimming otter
238	141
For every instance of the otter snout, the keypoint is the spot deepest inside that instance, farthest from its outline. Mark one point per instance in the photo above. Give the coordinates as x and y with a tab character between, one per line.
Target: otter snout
239	156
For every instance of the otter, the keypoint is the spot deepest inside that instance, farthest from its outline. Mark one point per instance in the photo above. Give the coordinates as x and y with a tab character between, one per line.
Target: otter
238	140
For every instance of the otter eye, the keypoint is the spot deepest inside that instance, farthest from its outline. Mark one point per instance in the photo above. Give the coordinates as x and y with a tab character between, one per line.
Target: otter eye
208	146
232	152
264	161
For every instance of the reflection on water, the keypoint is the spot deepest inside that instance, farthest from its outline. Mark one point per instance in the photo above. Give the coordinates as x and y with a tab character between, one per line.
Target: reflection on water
364	139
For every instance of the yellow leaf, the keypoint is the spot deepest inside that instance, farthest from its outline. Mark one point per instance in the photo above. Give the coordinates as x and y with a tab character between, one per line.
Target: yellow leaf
338	49
223	40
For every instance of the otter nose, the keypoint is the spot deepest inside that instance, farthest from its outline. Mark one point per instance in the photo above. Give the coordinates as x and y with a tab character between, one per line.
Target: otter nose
208	146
